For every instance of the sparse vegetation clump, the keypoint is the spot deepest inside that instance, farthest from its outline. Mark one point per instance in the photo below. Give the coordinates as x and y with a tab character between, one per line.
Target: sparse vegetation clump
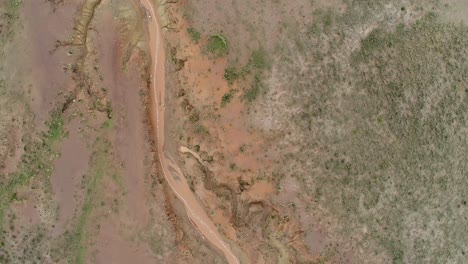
258	60
200	129
34	169
231	74
100	168
256	66
13	113
218	46
227	98
194	34
252	93
36	162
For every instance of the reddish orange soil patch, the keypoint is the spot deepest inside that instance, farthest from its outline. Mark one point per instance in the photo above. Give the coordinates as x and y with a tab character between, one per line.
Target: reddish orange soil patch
260	191
243	156
112	248
230	131
238	149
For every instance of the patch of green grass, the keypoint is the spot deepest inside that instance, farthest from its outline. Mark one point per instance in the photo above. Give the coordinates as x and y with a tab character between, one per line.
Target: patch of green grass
36	162
14	4
55	124
108	124
194	34
252	93
257	63
9	17
258	60
100	166
218	46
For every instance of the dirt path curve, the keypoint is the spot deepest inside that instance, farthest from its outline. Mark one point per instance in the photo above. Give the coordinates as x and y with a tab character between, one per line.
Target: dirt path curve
170	170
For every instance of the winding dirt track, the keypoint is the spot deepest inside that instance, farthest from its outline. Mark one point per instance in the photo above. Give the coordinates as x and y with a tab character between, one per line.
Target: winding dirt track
170	170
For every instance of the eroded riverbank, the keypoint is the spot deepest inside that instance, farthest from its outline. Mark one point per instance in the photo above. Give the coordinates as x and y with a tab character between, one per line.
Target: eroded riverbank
169	168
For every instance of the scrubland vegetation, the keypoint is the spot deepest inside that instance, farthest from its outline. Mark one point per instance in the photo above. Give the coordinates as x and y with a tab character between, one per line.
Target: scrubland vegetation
363	103
382	130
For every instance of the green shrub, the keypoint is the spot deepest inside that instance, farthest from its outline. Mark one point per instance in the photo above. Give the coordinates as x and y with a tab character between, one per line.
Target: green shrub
218	45
257	63
227	98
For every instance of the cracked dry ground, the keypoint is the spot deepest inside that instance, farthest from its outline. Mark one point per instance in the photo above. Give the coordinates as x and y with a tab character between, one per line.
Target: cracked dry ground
308	131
